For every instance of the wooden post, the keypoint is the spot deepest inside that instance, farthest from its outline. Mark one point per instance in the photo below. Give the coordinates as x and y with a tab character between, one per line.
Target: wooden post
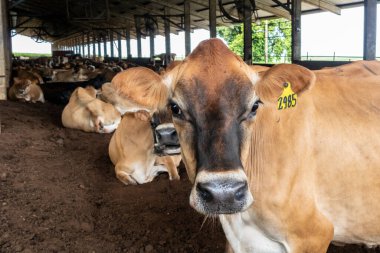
5	50
88	45
119	46
167	39
93	46
99	46
266	42
370	16
78	45
151	44
138	36
247	23
186	5
296	30
212	18
83	45
105	46
128	40
111	44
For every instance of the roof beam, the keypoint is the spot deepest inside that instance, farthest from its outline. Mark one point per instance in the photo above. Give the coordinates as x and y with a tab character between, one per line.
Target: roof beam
145	8
278	12
200	24
14	4
325	5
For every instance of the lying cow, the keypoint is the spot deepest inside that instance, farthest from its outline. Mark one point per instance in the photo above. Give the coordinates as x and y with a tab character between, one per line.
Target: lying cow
131	151
25	90
88	113
283	176
138	93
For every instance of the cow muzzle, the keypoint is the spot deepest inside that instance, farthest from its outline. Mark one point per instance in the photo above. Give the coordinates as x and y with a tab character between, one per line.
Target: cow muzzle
221	192
166	140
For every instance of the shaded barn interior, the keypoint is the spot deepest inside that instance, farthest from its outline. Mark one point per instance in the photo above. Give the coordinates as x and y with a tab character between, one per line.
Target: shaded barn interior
58	189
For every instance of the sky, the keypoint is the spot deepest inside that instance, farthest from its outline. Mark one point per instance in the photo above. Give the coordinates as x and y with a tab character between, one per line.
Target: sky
323	34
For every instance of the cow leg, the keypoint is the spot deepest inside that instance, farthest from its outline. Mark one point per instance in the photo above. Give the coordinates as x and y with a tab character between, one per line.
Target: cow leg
123	173
168	162
314	237
155	170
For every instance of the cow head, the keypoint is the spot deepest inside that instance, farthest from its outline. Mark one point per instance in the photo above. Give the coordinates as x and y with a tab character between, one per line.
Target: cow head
141	89
103	116
216	100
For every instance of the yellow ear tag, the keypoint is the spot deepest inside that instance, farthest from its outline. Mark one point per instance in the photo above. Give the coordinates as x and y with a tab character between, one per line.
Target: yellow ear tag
288	98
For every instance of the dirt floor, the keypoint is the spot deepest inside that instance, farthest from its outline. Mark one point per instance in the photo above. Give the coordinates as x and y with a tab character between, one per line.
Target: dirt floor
58	193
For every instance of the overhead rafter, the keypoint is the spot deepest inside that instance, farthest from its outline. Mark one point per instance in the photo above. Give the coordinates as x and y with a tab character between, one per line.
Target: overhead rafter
200	20
265	6
325	5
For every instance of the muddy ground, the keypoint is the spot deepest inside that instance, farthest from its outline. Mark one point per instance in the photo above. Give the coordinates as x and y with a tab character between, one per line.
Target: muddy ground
58	193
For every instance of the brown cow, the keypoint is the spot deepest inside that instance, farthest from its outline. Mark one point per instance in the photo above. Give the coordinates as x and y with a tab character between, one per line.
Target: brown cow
354	69
88	113
25	90
131	151
138	93
282	177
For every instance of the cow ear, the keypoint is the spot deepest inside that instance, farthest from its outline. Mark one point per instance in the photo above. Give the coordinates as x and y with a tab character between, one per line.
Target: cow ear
83	95
271	83
142	115
170	77
108	93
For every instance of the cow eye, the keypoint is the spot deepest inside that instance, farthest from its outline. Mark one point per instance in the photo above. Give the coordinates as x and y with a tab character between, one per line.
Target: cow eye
175	109
254	108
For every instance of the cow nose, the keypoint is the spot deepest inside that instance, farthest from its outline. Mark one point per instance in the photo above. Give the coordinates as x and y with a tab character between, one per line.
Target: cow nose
220	194
167	136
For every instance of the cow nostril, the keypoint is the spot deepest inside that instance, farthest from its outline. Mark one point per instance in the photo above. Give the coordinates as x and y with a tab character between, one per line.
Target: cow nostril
241	192
158	135
174	134
204	193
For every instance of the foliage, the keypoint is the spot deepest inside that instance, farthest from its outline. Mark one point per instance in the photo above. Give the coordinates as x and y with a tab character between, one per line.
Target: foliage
279	40
31	55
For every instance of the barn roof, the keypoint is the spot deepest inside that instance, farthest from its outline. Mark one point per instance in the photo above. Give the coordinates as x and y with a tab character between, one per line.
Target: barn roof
61	20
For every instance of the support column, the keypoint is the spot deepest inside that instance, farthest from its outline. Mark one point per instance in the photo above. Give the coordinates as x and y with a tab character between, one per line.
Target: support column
212	17
186	5
5	50
99	48
119	45
247	23
167	39
105	46
128	40
83	45
111	44
266	42
151	44
138	36
88	45
296	30
93	46
77	42
370	16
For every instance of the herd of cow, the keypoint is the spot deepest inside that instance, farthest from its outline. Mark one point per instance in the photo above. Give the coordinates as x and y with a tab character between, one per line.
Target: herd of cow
286	157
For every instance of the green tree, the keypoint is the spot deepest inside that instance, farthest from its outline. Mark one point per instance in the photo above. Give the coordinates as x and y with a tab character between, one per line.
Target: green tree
278	40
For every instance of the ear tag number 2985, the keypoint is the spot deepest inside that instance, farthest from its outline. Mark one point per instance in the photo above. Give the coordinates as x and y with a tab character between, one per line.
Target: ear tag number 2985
288	98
